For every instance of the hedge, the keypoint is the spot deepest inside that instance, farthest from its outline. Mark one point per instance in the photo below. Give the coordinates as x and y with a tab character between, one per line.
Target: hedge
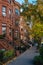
38	60
6	55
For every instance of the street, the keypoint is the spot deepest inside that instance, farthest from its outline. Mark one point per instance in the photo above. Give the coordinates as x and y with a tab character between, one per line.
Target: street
26	58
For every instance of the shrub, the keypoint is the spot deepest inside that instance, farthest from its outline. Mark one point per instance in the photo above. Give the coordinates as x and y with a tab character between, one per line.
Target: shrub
1	63
8	54
41	51
37	60
1	55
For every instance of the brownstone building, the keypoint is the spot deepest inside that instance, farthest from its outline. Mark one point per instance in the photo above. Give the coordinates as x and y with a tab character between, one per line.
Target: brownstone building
24	32
23	29
9	23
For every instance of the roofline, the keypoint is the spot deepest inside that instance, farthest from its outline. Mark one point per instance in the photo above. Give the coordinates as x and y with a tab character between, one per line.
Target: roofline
17	3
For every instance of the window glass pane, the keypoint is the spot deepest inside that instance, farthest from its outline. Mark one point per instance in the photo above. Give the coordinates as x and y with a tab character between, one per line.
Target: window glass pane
3	28
17	12
4	11
4	14
4	8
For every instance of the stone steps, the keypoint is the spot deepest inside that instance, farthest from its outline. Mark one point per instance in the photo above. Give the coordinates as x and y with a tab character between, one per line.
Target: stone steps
5	45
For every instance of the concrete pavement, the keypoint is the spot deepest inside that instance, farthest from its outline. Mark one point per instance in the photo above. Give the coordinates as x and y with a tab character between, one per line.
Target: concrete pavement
26	58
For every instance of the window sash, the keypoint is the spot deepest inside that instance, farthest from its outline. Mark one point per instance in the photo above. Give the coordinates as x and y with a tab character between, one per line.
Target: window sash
4	11
3	28
17	12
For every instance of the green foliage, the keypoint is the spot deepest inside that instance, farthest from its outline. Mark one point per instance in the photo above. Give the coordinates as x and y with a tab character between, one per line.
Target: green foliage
34	13
8	53
38	29
1	55
5	55
41	51
1	63
38	60
26	1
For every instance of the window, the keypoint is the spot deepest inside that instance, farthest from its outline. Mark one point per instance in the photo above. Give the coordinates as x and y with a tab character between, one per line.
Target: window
4	11
3	28
17	12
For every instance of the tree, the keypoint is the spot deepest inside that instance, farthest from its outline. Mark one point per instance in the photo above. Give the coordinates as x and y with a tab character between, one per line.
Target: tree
25	12
34	13
37	31
37	19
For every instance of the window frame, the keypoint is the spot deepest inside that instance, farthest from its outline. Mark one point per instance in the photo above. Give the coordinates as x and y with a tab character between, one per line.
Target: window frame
17	12
4	28
4	10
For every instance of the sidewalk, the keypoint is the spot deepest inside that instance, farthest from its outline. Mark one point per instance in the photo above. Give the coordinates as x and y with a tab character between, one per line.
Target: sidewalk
26	58
9	61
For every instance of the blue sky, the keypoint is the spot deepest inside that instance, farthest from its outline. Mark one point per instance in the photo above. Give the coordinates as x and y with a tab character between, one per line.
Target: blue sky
21	1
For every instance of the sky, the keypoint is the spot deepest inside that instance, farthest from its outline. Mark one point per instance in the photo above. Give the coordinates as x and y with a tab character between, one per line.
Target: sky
21	1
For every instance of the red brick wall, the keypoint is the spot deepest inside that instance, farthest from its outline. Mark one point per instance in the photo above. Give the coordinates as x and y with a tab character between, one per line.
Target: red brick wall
9	22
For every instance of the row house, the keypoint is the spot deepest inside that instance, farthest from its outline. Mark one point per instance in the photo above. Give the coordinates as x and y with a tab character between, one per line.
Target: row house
16	24
23	30
9	23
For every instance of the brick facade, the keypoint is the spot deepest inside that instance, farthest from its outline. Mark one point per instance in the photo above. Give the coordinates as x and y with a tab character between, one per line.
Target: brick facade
9	19
23	30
